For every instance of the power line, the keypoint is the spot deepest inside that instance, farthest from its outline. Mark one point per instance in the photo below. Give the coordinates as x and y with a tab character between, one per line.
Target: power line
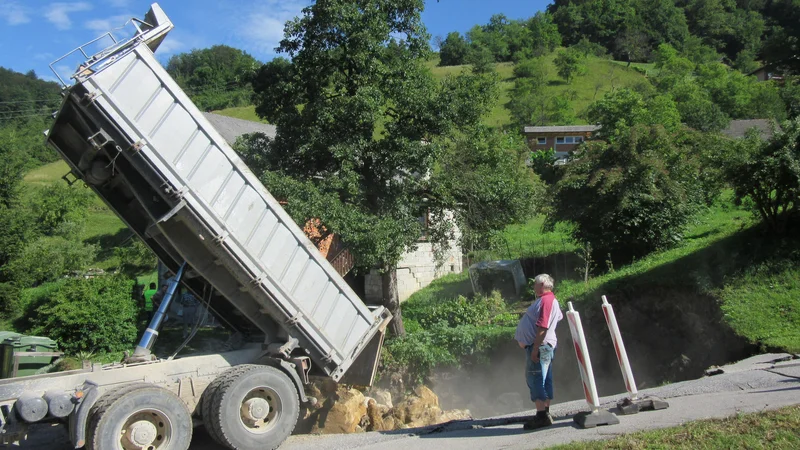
54	99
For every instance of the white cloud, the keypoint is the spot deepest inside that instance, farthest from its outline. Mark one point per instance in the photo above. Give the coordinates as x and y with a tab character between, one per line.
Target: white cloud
13	13
108	24
170	46
262	27
58	13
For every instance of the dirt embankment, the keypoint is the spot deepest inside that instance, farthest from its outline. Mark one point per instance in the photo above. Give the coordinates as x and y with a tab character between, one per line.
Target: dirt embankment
670	335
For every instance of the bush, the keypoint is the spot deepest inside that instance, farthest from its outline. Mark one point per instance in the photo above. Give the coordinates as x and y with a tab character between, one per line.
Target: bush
61	209
416	355
135	257
448	332
461	310
94	315
48	258
768	174
534	69
630	197
9	300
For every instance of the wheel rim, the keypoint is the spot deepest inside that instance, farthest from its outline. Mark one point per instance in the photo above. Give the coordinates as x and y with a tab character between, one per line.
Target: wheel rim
260	410
146	429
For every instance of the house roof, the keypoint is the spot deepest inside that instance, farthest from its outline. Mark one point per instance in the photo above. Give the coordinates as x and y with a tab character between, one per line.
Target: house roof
738	128
231	128
563	129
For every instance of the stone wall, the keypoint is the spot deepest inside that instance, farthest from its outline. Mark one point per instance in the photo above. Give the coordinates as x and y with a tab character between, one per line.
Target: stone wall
416	270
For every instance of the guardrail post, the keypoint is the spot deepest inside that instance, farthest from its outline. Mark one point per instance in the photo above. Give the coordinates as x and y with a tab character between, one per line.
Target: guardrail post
633	404
596	416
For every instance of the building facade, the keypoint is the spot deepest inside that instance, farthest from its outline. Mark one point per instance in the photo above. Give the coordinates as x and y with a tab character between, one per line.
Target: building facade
562	139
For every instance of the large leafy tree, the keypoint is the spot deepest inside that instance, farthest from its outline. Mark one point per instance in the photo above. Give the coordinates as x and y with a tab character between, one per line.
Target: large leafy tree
359	126
454	50
216	77
766	175
631	196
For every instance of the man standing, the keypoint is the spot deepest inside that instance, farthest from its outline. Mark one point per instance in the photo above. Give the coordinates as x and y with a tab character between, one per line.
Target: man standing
536	333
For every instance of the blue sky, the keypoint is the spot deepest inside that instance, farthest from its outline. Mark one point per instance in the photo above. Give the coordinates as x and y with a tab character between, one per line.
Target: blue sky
33	33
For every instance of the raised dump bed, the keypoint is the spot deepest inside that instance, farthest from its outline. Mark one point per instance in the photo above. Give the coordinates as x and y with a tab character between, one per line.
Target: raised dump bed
130	132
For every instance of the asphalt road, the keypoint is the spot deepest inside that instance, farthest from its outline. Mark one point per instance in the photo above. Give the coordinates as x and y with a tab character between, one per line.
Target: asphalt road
756	384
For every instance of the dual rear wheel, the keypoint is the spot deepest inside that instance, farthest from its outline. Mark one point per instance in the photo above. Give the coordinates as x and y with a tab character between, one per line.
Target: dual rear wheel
248	407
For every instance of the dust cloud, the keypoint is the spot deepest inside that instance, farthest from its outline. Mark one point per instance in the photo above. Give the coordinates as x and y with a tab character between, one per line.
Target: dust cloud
669	337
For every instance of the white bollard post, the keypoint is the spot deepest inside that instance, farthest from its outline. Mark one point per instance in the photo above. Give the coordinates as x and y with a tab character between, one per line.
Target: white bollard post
596	416
634	404
582	353
619	348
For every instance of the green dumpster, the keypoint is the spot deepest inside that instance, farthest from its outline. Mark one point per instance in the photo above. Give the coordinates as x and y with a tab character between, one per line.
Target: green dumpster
24	355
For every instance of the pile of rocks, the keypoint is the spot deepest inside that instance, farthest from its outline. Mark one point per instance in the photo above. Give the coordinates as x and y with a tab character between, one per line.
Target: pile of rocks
345	409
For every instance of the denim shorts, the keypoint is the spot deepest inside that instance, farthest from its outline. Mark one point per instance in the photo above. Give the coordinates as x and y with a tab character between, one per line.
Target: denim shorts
539	376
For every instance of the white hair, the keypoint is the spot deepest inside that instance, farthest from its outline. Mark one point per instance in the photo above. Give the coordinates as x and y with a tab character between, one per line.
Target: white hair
545	280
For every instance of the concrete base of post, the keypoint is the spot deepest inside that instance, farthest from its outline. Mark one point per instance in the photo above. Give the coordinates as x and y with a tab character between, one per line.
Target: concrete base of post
647	403
595	418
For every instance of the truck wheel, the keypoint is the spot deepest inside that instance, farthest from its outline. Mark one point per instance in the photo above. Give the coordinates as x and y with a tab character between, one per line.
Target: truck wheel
139	417
254	407
206	400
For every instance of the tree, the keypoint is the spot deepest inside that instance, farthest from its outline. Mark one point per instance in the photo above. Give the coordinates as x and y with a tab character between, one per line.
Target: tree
534	70
484	178
454	50
12	165
620	110
358	154
634	45
782	48
482	59
543	33
570	63
216	77
629	197
767	174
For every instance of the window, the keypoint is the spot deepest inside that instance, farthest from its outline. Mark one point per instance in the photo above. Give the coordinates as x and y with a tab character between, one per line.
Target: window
541	141
569	140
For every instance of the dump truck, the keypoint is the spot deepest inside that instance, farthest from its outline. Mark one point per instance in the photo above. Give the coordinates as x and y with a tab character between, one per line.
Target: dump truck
128	131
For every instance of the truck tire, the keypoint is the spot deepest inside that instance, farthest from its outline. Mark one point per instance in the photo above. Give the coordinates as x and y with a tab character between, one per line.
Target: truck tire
139	416
207	399
253	407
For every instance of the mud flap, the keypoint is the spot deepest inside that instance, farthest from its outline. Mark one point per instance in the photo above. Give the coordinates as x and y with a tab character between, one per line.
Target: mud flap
362	371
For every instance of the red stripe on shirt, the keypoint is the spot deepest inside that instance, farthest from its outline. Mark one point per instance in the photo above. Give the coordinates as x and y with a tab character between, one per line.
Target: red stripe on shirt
547	308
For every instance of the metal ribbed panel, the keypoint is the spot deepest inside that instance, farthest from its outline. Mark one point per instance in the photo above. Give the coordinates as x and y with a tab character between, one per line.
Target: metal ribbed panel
182	145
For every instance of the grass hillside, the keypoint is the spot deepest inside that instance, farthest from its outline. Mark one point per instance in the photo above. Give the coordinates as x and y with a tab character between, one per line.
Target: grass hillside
726	261
102	225
602	75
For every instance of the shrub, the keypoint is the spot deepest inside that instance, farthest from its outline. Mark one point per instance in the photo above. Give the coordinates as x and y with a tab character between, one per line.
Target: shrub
135	257
48	258
534	69
448	332
768	174
96	314
630	197
456	311
61	209
416	355
9	300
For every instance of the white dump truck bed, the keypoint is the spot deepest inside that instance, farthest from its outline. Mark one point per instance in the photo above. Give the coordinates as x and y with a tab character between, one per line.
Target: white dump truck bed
129	131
